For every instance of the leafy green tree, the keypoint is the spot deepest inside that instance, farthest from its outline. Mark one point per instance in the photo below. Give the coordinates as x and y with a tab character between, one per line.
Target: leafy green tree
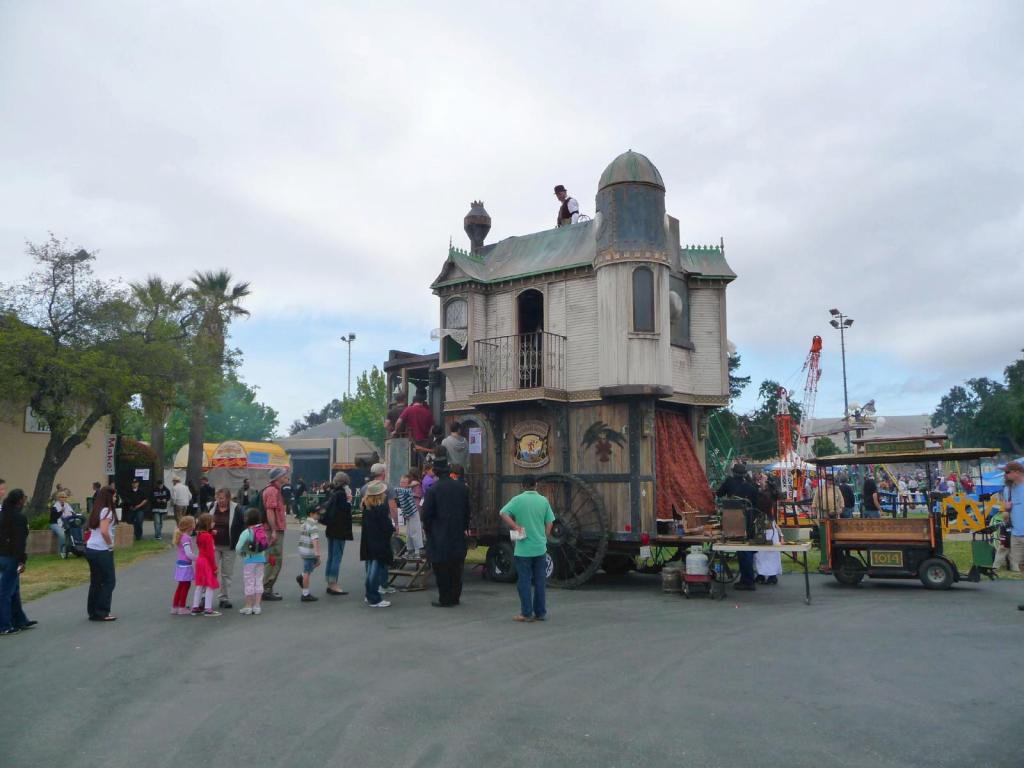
737	383
756	433
365	411
163	317
330	411
237	415
986	412
825	446
217	302
68	350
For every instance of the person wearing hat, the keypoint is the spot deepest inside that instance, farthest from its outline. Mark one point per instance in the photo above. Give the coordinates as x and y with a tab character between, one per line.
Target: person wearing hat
737	485
275	511
377	473
1013	513
375	541
445	518
569	212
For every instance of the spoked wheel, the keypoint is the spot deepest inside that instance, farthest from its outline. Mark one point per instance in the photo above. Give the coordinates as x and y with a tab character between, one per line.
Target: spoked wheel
579	535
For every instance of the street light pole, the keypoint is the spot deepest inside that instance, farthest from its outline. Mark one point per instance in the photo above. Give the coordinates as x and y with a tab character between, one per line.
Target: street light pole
348	338
841	322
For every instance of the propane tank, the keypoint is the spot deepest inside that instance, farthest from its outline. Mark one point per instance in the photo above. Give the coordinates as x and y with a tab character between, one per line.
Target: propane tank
697	562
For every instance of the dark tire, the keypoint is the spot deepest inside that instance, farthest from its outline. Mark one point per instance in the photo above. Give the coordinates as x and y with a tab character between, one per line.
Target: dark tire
617	565
849	571
936	573
501	564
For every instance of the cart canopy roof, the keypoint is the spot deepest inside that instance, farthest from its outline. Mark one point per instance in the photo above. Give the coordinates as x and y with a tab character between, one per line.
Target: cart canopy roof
905	457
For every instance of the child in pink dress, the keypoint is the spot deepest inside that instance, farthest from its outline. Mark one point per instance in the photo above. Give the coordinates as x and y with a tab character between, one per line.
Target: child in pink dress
206	568
184	572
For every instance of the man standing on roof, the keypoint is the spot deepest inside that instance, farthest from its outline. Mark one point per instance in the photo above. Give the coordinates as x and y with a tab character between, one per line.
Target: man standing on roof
569	213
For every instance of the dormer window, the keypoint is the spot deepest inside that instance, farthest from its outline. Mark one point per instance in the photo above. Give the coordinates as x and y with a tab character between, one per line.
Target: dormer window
643	300
455	344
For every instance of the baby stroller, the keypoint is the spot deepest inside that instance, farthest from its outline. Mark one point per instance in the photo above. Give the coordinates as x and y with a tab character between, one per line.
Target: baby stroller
74	536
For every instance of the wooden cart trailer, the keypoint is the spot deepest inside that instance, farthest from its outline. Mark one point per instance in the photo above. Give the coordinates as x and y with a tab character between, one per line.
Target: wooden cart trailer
893	548
589	355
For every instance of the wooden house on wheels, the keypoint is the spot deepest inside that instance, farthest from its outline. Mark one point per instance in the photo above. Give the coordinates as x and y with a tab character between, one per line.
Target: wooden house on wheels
589	355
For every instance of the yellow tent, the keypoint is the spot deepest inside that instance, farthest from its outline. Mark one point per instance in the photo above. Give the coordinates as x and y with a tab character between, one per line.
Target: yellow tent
181	457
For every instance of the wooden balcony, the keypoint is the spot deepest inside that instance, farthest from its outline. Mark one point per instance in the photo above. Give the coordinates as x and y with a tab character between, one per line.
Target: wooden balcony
526	366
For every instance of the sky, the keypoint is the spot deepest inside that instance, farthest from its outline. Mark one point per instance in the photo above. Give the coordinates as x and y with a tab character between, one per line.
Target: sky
864	156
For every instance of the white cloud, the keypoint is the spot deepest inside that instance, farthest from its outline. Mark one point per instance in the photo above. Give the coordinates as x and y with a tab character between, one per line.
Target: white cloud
864	156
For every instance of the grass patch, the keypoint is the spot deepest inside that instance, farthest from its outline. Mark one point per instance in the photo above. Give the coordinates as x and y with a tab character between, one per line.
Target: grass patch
48	573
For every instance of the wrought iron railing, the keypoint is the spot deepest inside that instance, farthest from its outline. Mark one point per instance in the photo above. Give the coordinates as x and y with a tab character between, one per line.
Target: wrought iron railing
523	361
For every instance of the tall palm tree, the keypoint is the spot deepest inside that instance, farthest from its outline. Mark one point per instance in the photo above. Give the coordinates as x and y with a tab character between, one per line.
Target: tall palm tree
161	316
217	303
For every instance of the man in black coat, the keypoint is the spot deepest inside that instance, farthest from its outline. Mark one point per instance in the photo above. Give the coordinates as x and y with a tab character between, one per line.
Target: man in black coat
445	519
738	485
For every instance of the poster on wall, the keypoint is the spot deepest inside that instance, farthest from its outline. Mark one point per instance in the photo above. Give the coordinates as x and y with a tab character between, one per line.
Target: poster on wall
142	474
110	453
34	423
476	440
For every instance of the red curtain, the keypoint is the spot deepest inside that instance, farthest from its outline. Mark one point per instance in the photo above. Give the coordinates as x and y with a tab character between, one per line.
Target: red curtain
678	474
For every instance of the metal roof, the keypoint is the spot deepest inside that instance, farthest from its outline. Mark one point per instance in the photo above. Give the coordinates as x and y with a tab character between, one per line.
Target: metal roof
551	250
706	261
631	167
555	250
905	457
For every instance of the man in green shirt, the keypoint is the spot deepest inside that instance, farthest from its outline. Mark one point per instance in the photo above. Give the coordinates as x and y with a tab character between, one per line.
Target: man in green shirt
529	515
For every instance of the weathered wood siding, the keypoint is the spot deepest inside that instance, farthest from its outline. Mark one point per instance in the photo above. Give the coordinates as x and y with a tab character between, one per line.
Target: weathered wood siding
581	312
704	369
627	358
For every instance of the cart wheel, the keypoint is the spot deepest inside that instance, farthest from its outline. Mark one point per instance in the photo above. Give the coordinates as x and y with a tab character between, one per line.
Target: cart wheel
936	574
501	565
579	535
849	571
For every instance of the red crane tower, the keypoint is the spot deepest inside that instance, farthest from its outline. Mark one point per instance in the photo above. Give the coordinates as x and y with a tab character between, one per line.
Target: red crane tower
810	393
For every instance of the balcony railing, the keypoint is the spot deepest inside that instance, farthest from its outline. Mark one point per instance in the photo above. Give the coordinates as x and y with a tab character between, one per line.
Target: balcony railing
523	361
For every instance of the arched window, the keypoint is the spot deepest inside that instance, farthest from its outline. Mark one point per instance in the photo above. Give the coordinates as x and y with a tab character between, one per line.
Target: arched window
643	300
455	346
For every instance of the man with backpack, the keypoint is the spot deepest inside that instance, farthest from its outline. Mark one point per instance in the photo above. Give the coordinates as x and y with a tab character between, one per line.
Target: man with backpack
274	511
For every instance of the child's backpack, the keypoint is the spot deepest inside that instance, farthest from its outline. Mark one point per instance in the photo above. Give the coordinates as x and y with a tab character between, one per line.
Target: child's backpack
259	541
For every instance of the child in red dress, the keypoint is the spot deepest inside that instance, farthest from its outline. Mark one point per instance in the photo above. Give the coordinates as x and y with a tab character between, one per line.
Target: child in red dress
206	567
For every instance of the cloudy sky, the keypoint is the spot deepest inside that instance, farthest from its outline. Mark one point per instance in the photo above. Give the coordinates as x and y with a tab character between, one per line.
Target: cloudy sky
865	156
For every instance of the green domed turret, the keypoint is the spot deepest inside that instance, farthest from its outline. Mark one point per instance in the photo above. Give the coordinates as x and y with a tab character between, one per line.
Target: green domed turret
630	167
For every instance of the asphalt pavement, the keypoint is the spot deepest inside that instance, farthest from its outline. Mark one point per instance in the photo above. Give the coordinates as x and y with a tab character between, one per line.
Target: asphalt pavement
884	675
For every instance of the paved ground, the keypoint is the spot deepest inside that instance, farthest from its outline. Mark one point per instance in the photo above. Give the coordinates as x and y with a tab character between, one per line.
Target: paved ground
622	675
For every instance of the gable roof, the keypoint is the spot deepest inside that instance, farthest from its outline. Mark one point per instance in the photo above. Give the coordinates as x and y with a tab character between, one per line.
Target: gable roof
555	250
551	250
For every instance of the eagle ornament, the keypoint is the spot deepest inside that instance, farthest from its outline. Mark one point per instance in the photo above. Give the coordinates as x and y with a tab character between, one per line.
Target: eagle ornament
601	437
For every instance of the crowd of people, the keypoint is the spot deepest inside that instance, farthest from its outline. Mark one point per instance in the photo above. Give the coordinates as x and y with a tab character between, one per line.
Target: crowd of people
215	528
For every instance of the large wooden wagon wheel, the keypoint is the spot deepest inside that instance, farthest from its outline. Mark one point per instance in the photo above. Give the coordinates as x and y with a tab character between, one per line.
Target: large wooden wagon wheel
579	535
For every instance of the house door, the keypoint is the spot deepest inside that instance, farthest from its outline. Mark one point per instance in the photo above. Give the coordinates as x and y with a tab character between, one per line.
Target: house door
530	306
